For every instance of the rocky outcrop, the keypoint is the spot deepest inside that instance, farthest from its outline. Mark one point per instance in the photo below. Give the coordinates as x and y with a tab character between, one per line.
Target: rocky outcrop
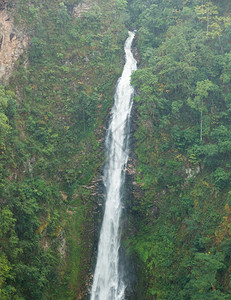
82	8
13	42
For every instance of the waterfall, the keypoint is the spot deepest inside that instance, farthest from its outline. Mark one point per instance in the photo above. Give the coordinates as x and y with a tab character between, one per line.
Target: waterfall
108	281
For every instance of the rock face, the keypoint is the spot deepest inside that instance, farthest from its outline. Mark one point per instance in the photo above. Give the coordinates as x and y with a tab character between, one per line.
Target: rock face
82	8
13	42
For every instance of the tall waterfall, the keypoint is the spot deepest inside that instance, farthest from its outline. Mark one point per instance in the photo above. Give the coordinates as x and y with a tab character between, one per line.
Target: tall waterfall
108	283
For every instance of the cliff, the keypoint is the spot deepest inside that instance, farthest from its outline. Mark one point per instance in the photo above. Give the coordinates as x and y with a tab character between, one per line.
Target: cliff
59	64
13	43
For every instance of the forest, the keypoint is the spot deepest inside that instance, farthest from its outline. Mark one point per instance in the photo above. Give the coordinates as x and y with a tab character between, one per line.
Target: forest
53	113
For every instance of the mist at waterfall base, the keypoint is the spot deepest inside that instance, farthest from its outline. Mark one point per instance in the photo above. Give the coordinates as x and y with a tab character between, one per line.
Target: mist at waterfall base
108	281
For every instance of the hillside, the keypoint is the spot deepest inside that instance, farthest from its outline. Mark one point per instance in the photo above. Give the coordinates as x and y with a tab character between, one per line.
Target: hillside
59	62
181	241
53	110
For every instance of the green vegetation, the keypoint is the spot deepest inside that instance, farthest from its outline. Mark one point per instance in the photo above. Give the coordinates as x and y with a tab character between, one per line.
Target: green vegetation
52	114
183	150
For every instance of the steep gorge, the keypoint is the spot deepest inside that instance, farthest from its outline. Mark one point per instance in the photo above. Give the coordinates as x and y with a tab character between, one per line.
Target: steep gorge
59	71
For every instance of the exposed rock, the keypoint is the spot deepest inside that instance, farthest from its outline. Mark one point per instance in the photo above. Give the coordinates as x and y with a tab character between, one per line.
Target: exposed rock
13	42
81	8
192	172
63	246
45	243
29	165
64	195
136	54
131	170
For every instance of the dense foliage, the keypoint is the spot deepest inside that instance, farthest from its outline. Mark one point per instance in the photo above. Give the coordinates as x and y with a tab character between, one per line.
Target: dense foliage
52	116
181	221
51	128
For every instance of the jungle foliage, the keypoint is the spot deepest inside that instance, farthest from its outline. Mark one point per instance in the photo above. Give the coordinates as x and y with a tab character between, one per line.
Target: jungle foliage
183	150
52	116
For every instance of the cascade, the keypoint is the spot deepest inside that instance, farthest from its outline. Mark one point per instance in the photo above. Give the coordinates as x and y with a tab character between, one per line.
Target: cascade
108	283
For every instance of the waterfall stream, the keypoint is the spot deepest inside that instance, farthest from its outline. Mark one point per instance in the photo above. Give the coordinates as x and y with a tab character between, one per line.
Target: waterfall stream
108	283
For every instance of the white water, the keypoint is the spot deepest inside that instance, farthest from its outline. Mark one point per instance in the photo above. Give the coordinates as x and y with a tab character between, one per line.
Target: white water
108	283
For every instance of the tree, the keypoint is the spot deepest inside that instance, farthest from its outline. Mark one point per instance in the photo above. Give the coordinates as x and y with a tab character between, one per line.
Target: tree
201	94
215	24
207	12
4	125
203	278
5	273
